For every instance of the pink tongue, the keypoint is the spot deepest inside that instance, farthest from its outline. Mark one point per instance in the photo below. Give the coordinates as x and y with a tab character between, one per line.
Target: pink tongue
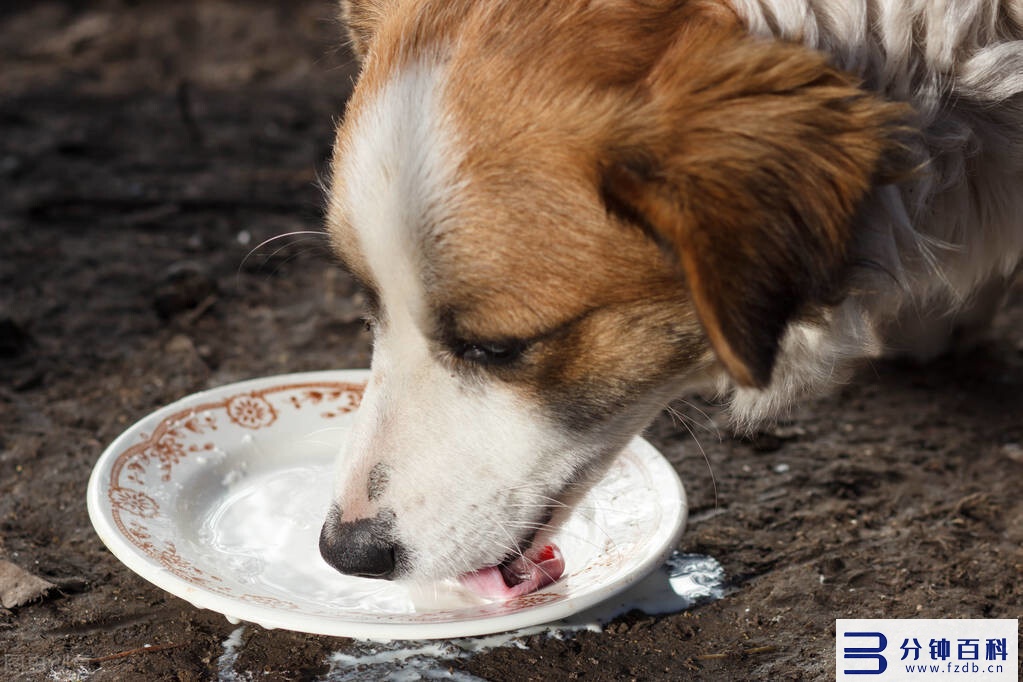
526	574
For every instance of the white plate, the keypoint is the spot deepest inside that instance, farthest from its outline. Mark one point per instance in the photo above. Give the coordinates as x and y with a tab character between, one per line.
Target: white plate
219	497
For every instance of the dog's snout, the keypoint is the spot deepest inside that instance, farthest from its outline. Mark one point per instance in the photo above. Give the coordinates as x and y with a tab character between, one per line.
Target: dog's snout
361	547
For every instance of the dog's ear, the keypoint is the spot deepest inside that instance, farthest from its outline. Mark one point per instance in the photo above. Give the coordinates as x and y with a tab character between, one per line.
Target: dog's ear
747	160
362	18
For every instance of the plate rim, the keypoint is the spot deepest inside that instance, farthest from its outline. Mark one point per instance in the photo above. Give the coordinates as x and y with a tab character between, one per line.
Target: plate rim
665	538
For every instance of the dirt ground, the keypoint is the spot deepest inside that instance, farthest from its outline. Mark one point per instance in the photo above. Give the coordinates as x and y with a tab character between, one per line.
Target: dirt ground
147	147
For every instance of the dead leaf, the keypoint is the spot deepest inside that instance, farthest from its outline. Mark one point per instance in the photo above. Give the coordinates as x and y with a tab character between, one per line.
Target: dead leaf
18	586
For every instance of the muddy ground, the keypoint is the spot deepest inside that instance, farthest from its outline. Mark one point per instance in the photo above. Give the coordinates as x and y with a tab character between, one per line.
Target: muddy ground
147	147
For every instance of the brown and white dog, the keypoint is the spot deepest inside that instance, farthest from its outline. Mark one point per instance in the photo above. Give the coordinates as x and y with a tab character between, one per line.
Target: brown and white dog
565	213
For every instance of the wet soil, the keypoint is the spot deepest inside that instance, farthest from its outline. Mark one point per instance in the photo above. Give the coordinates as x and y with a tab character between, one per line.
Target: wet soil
147	148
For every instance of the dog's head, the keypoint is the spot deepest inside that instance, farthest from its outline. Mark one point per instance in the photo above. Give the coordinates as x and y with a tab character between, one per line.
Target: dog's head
563	214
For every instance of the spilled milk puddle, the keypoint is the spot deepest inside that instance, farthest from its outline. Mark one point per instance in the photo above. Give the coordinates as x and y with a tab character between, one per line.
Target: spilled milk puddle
683	581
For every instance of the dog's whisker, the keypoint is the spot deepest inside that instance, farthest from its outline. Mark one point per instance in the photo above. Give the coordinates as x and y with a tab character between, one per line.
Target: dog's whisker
540	484
296	233
545	501
555	503
531	525
543	570
285	261
535	505
517	548
574	536
678	419
703	453
567	532
285	235
536	526
289	245
710	426
272	274
590	508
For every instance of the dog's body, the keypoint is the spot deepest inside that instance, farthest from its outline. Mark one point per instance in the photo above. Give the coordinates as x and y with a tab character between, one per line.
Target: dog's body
567	213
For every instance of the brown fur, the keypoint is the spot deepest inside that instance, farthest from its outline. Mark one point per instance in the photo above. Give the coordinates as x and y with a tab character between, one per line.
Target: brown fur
750	159
593	153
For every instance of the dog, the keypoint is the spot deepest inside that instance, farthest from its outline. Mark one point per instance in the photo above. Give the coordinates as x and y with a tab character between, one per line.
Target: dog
566	213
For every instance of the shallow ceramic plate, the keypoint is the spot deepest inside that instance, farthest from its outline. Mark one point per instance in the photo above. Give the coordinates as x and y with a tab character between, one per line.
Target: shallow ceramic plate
219	497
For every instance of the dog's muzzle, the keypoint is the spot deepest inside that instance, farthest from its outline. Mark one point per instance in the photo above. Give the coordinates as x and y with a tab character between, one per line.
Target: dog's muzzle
362	547
366	548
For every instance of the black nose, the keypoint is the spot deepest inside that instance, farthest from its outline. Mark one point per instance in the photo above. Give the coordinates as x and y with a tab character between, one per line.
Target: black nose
363	547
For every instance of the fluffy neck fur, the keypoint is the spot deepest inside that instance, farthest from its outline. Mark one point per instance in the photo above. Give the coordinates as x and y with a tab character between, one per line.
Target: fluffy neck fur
938	249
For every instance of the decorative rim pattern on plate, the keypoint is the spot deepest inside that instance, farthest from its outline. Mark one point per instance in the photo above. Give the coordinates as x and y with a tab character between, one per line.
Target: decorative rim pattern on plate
132	506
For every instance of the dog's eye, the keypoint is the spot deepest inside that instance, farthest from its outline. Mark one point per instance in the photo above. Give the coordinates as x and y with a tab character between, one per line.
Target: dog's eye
502	353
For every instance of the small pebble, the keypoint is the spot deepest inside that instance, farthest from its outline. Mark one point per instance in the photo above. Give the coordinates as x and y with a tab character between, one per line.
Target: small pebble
1013	451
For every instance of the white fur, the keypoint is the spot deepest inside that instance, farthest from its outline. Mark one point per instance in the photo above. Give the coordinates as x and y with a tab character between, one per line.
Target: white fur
471	465
954	230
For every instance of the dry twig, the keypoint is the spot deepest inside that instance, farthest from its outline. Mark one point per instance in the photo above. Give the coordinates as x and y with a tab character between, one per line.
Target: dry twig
147	649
